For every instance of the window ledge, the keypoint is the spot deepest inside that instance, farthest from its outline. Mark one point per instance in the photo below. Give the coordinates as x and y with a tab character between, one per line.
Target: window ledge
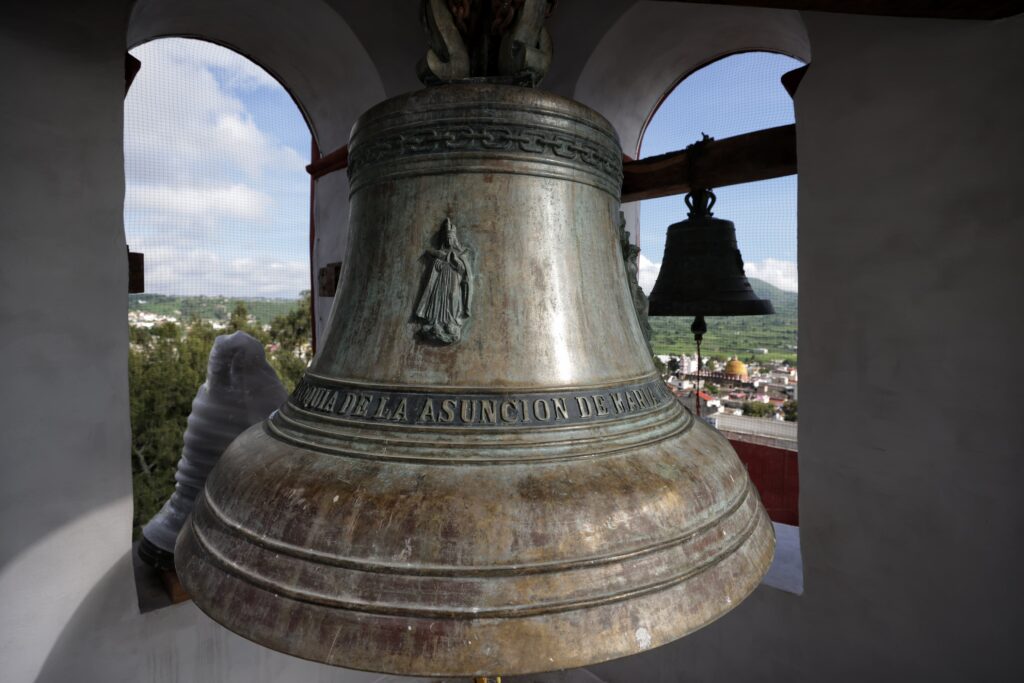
786	572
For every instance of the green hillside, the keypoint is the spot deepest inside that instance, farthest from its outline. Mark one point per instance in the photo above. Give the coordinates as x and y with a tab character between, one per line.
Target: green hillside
739	335
209	307
726	336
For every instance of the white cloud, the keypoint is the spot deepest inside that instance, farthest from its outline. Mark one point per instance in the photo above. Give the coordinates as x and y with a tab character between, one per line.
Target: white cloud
191	271
217	203
648	273
182	119
242	73
782	274
210	203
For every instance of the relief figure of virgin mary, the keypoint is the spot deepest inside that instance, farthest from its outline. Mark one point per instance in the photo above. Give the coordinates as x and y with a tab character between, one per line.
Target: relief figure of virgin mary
446	301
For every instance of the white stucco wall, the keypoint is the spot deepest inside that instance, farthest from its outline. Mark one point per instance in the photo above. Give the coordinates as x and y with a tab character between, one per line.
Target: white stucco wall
69	608
911	228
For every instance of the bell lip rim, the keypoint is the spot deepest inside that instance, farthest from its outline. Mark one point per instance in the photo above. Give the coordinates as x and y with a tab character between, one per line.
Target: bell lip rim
545	608
755	580
508	570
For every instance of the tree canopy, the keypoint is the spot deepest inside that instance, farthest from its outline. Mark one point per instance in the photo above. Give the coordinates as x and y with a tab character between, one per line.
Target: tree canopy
757	409
167	365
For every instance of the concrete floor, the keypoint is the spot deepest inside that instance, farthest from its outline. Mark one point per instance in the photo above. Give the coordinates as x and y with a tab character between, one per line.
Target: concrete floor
786	573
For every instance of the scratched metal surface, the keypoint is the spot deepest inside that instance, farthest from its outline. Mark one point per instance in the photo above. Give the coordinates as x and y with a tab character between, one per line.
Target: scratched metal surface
535	504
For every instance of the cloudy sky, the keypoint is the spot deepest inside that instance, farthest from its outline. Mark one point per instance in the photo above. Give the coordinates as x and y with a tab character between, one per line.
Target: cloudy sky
735	95
217	195
218	199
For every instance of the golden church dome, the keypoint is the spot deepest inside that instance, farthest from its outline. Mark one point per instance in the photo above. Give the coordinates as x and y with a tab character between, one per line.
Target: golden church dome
736	367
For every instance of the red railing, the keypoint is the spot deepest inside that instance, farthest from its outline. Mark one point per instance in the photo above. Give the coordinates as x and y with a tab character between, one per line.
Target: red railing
774	473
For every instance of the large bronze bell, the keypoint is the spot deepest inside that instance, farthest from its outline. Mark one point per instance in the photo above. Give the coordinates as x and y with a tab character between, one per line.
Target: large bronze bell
702	270
481	472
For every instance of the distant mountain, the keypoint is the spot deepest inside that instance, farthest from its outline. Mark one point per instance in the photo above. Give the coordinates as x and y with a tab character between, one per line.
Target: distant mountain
737	336
785	303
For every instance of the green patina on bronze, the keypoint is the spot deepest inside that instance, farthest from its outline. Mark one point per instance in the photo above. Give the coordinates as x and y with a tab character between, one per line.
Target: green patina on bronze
539	502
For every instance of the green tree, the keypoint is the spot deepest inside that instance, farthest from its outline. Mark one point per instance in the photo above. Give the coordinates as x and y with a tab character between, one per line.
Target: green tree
294	329
291	343
240	322
166	366
139	335
165	330
757	409
789	410
164	374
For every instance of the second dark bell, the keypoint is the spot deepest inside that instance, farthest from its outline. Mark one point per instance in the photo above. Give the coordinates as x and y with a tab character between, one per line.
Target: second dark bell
702	269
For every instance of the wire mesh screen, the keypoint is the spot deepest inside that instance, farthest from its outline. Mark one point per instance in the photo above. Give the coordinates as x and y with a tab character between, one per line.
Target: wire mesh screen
734	95
738	94
217	198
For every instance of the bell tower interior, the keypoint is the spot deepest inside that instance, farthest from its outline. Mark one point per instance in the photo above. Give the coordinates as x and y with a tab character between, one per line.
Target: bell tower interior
908	140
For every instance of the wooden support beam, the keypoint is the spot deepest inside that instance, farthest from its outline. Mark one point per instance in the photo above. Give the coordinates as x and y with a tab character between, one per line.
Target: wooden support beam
921	9
763	154
335	161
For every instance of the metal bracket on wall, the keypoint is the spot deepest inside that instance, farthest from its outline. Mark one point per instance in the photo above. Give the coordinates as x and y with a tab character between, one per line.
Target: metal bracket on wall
136	272
327	279
791	79
131	69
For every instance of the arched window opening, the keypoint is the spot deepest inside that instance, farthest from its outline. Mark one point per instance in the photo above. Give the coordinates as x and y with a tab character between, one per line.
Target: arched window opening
217	200
749	389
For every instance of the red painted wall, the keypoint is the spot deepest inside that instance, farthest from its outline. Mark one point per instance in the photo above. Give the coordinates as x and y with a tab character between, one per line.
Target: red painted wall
774	473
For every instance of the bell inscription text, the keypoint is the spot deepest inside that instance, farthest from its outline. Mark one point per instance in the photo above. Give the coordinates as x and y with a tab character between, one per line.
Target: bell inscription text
480	410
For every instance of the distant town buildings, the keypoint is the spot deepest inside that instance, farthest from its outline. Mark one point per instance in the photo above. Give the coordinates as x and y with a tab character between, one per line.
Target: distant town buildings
735	389
685	364
147	319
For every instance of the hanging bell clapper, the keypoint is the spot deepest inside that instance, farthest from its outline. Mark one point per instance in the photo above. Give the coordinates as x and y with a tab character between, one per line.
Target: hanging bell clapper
699	328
